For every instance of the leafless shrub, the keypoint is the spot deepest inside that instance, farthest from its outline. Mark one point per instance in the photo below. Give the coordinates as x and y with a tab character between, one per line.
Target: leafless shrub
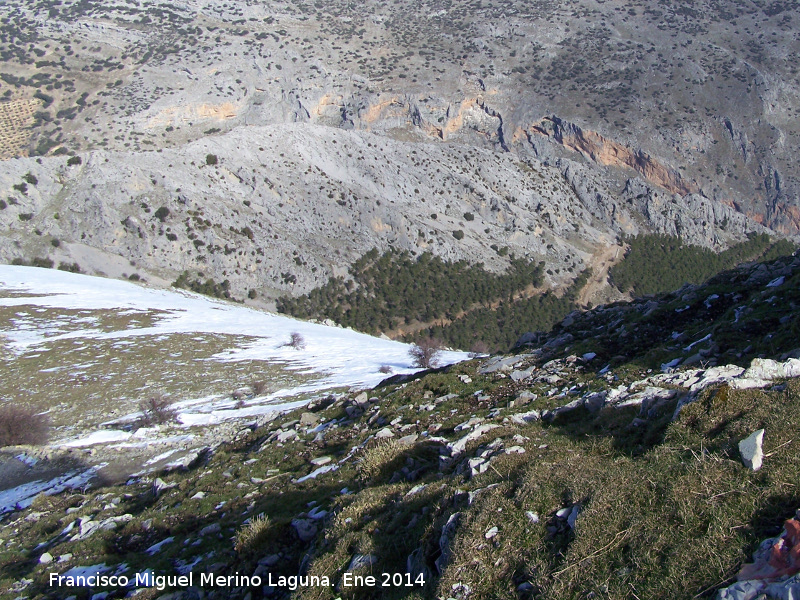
238	396
385	369
20	425
425	353
156	410
296	341
258	386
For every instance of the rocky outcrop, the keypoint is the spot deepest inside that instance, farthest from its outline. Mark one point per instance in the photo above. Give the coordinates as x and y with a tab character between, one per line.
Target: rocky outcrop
605	151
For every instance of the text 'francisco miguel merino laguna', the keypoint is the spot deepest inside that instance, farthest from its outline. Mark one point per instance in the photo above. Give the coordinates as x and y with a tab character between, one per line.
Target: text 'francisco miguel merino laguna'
293	582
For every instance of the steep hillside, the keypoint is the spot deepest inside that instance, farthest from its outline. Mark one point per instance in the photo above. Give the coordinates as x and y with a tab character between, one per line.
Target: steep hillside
280	209
586	464
313	133
95	356
691	96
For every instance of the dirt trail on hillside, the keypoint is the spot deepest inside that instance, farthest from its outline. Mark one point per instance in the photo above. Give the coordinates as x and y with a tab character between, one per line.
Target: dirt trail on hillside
528	292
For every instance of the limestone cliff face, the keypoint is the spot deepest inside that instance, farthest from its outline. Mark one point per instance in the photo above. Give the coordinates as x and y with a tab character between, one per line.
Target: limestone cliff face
605	151
469	118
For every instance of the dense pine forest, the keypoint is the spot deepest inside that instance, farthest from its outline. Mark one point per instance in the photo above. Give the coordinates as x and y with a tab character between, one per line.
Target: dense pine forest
661	263
463	305
395	290
467	307
498	329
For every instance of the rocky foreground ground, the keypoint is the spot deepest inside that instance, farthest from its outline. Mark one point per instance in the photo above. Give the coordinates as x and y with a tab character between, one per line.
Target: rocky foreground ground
641	449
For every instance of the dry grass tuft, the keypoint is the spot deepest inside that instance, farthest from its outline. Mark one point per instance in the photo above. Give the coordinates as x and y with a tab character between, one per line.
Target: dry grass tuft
380	459
252	535
259	386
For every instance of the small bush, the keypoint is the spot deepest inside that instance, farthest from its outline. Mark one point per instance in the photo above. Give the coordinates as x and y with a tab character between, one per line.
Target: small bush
30	178
296	341
258	386
70	267
386	369
55	242
468	216
211	159
44	263
156	410
252	294
25	216
478	348
20	425
458	234
250	536
425	353
74	160
162	213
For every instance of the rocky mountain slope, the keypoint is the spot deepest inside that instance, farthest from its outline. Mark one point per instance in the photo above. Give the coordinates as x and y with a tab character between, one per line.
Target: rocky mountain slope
558	126
280	209
637	448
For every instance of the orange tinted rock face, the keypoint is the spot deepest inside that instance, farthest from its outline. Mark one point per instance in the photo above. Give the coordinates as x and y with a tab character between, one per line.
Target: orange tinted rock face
785	219
608	152
782	559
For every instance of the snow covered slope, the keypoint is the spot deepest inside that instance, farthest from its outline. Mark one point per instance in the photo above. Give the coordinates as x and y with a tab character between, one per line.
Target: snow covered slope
64	306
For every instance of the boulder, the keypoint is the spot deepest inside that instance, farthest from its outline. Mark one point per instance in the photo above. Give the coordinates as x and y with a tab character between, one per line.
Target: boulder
648	397
522	375
211	529
359	561
499	363
765	368
305	528
446	537
477	466
550	415
354	411
715	375
594	401
361	400
159	486
416	565
458	446
308	418
408	440
751	450
285	436
525	417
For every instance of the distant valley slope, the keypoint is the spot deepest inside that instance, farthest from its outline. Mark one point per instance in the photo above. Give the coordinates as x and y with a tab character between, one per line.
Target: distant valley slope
273	145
